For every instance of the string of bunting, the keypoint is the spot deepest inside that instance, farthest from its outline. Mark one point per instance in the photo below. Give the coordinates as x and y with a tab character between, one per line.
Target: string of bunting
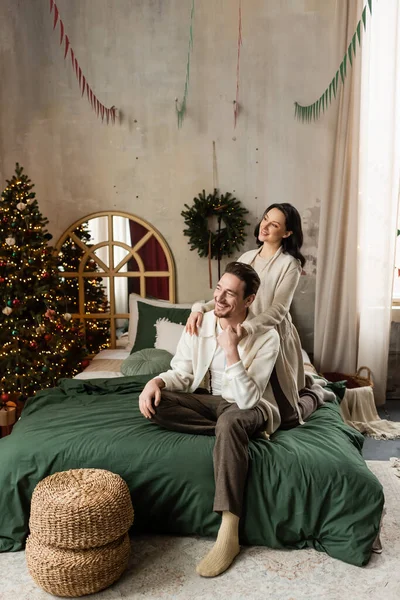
181	109
236	103
312	112
107	114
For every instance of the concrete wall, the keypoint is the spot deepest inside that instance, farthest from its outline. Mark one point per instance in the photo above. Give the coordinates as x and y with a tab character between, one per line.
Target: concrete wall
134	56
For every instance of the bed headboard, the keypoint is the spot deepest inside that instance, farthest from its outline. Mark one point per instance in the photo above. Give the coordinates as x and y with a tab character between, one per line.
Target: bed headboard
106	256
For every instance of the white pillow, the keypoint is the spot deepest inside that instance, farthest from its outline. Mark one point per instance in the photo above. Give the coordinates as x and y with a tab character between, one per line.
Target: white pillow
168	335
134	313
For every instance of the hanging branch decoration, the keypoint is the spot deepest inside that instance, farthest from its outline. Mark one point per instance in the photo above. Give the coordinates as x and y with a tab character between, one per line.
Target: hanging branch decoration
105	113
236	102
230	234
181	110
313	111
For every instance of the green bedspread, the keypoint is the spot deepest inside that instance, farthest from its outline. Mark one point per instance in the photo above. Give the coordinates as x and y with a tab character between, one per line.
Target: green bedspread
308	487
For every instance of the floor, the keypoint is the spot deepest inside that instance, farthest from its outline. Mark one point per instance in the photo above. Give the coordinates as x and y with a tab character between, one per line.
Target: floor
382	449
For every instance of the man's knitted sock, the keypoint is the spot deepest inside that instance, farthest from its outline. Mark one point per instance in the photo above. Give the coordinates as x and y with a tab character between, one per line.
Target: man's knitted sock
225	549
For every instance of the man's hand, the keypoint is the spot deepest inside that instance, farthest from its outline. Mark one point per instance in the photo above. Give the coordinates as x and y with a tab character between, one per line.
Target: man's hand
229	339
151	391
193	323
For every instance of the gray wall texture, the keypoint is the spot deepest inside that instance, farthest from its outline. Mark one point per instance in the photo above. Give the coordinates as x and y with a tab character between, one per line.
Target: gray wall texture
133	53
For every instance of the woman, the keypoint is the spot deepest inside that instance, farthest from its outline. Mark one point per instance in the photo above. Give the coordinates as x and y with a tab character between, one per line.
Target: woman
278	262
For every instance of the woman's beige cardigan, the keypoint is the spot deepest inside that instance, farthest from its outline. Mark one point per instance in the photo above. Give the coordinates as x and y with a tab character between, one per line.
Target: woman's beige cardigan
279	278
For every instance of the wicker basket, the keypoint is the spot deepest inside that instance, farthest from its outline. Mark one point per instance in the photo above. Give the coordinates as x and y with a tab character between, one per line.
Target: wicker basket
354	380
76	573
80	508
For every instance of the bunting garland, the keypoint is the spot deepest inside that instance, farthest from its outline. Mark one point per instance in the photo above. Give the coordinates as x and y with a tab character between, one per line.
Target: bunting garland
181	110
107	114
236	103
312	112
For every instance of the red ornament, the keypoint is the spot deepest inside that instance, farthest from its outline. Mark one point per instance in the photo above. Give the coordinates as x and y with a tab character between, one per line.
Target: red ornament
2	280
85	363
59	327
48	337
16	302
45	275
33	344
4	397
44	252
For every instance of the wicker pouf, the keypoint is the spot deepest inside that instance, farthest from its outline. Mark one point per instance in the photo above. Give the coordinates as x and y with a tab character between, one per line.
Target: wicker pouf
75	573
80	508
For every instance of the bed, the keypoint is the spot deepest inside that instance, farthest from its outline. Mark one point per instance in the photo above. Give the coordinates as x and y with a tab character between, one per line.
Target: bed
307	488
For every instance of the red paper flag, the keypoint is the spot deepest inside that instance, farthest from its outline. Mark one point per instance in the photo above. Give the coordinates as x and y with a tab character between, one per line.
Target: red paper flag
102	111
80	77
84	84
72	58
76	67
66	46
55	16
61	32
51	5
107	115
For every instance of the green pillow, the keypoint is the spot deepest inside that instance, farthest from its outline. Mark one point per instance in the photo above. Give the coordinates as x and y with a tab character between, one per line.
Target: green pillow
150	361
147	317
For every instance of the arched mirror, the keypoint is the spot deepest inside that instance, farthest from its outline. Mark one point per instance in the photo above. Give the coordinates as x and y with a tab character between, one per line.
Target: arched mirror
105	257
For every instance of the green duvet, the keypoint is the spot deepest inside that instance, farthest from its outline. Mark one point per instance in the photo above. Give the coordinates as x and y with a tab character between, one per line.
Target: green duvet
308	487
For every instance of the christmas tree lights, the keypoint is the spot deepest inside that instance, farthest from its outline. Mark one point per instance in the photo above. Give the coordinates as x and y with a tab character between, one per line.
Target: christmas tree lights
39	343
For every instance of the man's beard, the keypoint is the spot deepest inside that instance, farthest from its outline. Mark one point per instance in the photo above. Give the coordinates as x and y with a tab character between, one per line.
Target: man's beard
222	313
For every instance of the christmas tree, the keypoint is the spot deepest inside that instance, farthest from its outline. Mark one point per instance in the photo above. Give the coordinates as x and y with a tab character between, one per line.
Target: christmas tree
97	331
39	343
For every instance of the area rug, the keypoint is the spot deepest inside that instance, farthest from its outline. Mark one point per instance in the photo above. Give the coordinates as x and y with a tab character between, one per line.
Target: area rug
163	567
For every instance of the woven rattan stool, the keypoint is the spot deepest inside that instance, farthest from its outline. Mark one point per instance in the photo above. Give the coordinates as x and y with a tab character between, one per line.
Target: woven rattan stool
75	573
80	508
78	542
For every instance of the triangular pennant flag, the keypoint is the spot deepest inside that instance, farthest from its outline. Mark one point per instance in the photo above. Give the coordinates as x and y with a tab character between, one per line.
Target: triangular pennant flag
359	32
83	84
88	92
370	6
79	76
66	46
336	79
51	5
76	67
349	53
72	58
91	97
97	107
102	111
107	115
364	17
61	32
345	65
334	86
354	43
113	114
341	72
55	16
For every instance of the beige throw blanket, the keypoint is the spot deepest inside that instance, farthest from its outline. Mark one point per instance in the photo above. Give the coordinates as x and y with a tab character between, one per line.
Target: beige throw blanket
358	410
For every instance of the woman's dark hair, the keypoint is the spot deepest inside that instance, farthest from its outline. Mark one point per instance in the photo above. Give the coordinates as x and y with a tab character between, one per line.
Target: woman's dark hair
293	243
247	274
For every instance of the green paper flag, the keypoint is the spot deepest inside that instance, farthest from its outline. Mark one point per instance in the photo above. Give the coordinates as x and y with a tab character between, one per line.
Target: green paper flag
181	110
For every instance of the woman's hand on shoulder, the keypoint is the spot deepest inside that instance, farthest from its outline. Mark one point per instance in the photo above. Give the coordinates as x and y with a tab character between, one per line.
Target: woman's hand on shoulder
194	322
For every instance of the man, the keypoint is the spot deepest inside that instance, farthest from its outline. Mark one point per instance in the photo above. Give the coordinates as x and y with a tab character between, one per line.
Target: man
236	404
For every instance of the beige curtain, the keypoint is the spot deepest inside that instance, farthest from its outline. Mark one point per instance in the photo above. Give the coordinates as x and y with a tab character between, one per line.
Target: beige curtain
358	220
336	320
378	188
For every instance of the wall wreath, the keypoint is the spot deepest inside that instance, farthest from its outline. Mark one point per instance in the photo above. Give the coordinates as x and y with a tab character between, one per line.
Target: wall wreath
230	233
